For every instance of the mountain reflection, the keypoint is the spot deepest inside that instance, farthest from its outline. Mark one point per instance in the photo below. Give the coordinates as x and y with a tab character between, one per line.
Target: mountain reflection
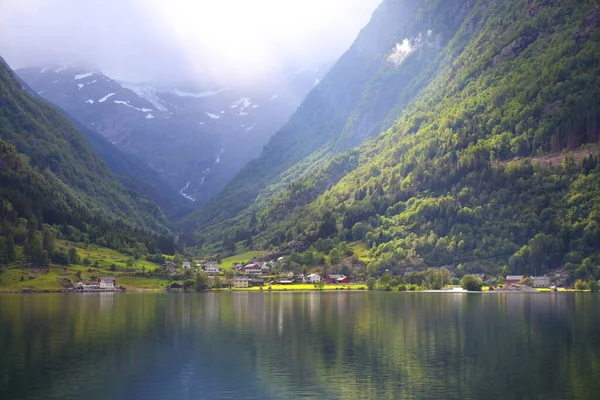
299	345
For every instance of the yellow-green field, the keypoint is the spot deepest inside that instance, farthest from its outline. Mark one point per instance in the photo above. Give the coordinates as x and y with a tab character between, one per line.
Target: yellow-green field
304	286
239	258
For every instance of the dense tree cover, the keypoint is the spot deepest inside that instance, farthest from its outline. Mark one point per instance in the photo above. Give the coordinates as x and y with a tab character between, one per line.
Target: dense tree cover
52	185
456	180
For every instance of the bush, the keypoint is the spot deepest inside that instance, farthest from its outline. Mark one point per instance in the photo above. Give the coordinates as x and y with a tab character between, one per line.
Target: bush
581	285
593	286
471	283
371	283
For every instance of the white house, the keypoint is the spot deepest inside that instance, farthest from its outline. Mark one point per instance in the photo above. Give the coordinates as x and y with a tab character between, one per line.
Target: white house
312	278
109	282
186	265
211	268
256	269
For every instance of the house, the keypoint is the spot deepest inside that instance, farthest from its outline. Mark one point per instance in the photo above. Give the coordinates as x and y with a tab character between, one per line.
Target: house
240	282
513	279
285	282
541	281
109	282
211	268
256	282
312	278
88	286
256	269
186	265
170	267
337	279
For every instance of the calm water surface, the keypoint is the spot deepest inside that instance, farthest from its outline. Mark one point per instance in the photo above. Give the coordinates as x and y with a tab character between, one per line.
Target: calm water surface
338	345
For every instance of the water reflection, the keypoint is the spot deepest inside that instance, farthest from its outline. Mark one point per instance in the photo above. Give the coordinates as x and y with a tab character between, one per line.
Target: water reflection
299	345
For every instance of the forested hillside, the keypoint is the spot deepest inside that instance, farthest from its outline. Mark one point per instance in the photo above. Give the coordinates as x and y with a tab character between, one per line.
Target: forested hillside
53	184
461	177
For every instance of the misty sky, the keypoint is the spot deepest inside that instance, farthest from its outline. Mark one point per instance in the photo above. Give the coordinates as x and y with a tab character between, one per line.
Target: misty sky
165	40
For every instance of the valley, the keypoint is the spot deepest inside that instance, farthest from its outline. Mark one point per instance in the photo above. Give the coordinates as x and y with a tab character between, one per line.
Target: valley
197	139
459	135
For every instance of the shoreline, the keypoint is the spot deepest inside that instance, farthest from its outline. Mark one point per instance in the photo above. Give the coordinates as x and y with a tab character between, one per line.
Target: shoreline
361	288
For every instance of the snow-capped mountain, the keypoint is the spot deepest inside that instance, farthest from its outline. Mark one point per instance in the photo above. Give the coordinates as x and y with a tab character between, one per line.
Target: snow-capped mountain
195	137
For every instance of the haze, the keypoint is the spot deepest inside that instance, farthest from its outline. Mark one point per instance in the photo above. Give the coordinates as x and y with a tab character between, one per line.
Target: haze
157	40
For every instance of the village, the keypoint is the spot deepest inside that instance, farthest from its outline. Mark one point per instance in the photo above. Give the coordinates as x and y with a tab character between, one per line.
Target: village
258	274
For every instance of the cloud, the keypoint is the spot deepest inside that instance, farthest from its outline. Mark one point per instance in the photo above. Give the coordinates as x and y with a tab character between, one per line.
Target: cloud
140	40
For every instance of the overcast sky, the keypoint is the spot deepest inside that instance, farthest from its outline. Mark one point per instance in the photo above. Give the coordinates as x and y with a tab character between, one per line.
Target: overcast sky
154	40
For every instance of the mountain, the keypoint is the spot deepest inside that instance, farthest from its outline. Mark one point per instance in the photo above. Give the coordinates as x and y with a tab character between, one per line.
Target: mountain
53	178
391	60
195	138
490	163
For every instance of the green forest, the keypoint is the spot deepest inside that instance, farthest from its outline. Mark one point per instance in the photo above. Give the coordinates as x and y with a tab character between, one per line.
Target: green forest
492	167
54	186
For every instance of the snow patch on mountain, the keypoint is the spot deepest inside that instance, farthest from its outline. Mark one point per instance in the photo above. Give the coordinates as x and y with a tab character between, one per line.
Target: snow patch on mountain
44	70
207	93
273	97
83	76
146	91
102	100
80	85
90	101
213	116
149	116
126	103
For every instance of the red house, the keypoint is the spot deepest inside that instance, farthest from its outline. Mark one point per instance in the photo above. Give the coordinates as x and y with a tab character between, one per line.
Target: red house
337	279
513	279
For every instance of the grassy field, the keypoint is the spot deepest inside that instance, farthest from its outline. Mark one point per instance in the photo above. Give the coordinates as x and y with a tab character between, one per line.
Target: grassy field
105	257
239	258
361	251
101	260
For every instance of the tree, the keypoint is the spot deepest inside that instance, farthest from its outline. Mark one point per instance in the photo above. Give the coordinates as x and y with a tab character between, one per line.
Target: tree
319	285
188	283
528	281
228	273
593	285
34	250
217	282
73	256
11	254
471	283
200	282
581	285
335	256
187	273
178	260
328	226
436	279
371	283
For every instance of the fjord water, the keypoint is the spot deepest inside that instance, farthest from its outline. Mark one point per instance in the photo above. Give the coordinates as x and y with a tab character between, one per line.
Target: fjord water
338	345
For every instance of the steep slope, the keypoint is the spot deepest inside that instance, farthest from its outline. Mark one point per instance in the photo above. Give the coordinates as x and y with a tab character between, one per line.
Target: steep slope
61	155
392	59
459	180
194	138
